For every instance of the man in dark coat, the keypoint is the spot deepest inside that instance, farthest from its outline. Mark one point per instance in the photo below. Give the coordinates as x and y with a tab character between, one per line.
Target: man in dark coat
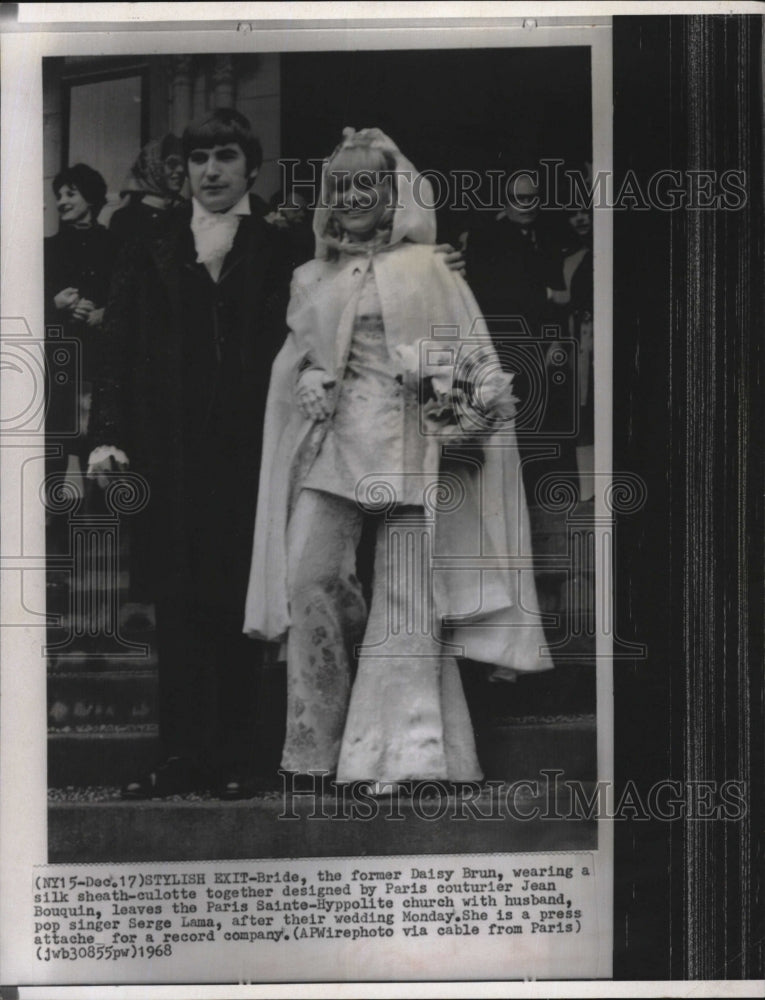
510	264
514	269
194	321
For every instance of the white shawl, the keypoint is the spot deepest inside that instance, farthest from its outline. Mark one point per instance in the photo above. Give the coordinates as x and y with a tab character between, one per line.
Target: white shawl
486	601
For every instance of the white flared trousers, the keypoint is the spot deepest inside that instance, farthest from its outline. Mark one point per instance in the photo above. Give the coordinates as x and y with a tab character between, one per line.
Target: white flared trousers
406	717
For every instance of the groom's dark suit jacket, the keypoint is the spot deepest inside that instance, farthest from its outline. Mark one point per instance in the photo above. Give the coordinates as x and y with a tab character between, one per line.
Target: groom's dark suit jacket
183	393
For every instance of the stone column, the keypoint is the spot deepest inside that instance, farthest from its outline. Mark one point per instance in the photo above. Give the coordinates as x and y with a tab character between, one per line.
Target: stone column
223	82
180	94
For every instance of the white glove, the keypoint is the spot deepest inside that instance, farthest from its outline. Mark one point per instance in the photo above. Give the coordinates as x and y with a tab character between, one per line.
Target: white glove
105	458
312	396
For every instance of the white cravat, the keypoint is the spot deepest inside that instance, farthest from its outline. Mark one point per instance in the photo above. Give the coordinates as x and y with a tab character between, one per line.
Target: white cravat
214	233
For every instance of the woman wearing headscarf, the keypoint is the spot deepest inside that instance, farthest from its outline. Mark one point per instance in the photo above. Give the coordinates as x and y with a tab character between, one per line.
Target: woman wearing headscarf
154	183
388	403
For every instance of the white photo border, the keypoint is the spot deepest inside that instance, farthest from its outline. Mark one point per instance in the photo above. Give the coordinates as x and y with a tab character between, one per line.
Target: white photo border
23	818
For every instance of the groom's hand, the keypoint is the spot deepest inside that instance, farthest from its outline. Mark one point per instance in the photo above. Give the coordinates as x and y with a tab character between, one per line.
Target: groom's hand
454	259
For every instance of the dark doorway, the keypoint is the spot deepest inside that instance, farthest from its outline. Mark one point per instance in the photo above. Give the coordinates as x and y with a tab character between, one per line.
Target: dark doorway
453	109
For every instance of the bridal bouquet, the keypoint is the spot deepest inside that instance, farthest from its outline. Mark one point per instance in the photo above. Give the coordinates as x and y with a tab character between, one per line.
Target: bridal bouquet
463	392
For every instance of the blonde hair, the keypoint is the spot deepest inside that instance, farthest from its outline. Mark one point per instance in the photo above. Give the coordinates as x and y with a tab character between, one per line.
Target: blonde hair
360	158
351	160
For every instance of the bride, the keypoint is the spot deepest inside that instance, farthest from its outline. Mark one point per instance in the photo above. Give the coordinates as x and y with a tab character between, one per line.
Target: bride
388	402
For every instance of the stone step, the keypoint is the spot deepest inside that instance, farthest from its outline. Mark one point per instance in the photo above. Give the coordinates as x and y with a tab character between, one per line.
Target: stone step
133	648
499	820
64	590
571	635
109	696
125	692
121	691
527	748
100	656
100	755
106	755
568	691
131	616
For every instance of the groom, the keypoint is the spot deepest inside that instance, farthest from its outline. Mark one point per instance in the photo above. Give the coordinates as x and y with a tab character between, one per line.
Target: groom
194	321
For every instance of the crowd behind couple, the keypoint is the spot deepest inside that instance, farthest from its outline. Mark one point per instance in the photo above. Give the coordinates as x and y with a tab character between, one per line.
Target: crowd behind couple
270	407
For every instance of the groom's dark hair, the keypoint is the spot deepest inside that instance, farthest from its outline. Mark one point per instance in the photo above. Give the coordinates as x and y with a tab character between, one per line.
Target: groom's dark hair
220	127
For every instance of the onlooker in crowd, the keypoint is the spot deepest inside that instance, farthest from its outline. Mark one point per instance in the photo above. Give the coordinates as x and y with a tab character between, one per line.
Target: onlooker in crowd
512	266
578	278
78	263
153	185
514	269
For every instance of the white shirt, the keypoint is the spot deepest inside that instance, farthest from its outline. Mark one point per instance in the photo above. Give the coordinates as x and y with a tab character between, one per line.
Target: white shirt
214	232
